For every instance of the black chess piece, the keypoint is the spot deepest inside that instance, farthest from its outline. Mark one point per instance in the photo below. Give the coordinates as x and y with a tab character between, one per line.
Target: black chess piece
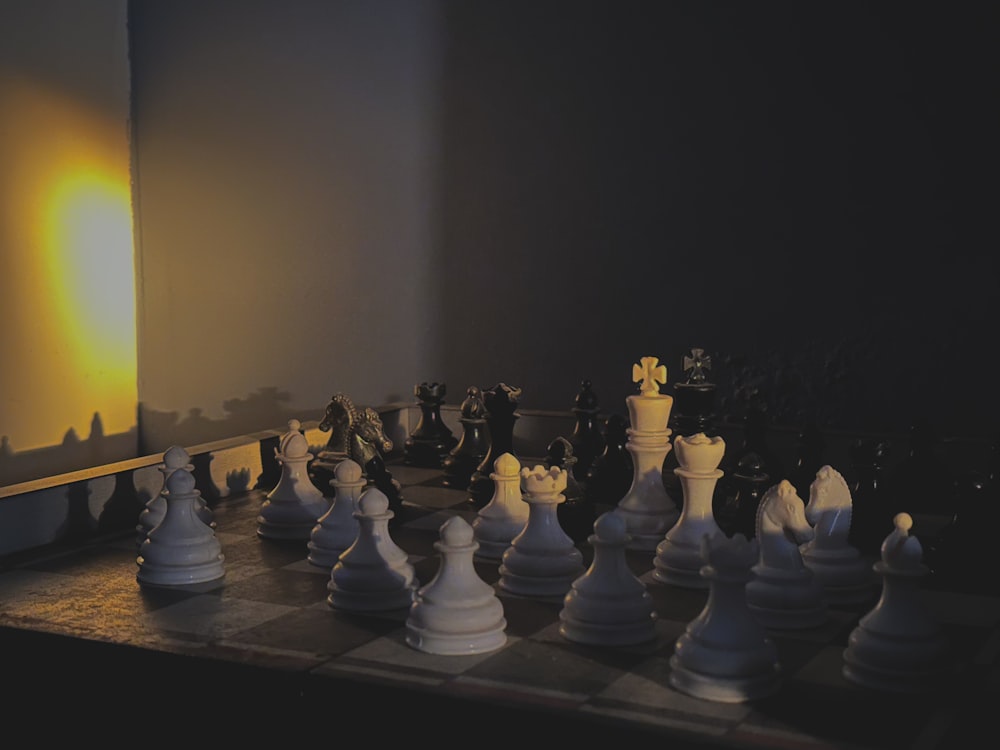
737	498
809	458
755	440
575	513
962	556
921	483
693	411
611	474
431	440
694	408
501	413
472	447
587	438
872	511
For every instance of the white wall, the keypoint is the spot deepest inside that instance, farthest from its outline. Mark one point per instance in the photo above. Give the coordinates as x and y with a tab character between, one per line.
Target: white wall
67	342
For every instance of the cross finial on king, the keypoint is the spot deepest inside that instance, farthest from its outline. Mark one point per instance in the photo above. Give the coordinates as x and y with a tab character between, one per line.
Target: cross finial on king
649	373
696	365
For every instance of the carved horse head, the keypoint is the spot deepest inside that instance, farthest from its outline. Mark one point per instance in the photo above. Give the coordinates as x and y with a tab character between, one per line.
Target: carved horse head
782	526
829	508
355	433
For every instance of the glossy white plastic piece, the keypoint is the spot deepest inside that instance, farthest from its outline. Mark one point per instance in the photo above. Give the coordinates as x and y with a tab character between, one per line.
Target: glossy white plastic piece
608	605
898	646
845	575
542	561
784	594
181	549
456	612
292	508
337	529
504	516
373	574
725	654
678	558
647	508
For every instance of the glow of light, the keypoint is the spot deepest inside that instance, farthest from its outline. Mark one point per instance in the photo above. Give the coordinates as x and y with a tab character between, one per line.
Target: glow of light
67	288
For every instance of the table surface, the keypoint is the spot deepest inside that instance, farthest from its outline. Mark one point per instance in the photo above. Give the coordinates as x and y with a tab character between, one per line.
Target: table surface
264	638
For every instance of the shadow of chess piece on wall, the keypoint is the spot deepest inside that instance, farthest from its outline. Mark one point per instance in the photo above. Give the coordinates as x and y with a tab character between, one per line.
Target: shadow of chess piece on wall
431	440
501	413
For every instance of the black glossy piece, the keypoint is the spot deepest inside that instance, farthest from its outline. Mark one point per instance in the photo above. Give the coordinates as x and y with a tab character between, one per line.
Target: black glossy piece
611	474
872	509
587	438
922	482
431	440
694	407
501	413
576	512
474	444
736	500
810	451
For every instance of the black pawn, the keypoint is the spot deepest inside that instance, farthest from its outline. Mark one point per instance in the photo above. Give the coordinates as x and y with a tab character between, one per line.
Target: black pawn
576	514
872	511
611	474
431	440
587	439
501	413
462	460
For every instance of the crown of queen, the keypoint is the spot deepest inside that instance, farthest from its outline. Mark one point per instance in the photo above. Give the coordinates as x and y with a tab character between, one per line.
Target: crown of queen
540	480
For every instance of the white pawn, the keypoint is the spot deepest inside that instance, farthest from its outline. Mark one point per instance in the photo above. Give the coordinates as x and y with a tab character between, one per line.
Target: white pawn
373	574
725	654
898	646
678	557
846	577
152	513
542	560
503	517
337	529
456	612
784	594
295	504
608	605
182	549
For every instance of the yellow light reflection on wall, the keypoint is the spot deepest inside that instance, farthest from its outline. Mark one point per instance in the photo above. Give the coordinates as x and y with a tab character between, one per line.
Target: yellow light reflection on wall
88	239
67	288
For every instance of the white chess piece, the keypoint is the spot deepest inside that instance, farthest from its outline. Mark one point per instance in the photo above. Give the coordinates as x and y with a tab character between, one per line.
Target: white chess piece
373	574
337	529
608	605
678	558
175	457
725	654
647	508
503	517
898	646
784	594
181	549
292	508
845	575
542	560
456	612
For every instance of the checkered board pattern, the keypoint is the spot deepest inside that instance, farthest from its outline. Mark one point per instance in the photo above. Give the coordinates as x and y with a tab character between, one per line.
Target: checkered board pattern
270	611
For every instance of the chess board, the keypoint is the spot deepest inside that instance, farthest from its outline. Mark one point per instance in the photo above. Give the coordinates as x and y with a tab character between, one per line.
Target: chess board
262	648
